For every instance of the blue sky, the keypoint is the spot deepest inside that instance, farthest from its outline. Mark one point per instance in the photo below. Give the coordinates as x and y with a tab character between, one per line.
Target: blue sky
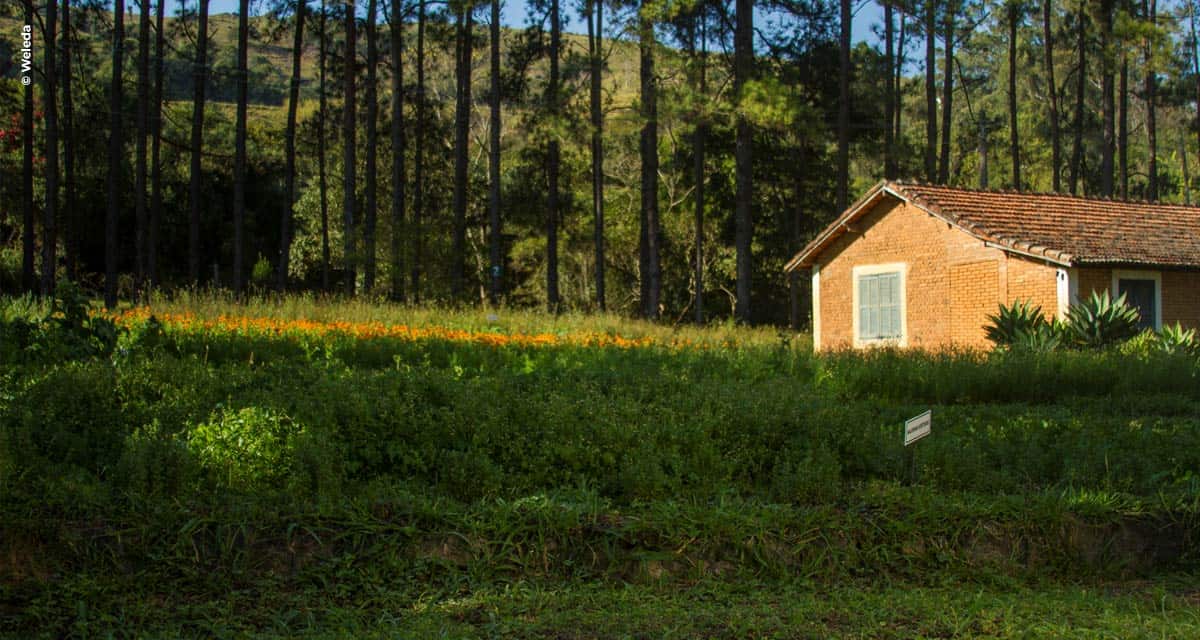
868	15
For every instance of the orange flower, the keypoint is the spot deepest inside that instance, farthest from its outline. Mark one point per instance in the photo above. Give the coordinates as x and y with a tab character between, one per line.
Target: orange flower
376	330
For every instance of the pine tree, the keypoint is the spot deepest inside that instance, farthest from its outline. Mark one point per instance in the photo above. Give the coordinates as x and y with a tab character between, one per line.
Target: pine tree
595	61
239	161
370	189
156	121
396	33
200	76
349	149
743	54
50	213
142	123
115	151
289	146
495	248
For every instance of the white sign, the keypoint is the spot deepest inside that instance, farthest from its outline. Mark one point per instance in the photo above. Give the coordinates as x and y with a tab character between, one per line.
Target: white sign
918	427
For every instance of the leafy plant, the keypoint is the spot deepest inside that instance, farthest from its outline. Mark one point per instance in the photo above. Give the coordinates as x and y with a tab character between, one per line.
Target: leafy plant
1045	338
1015	324
245	449
1101	321
1175	339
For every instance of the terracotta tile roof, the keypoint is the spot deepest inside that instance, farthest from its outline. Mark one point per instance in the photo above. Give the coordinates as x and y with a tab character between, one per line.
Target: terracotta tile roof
1062	228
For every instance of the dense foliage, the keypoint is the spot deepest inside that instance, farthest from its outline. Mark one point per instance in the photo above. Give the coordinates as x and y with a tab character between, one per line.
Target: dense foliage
365	458
1099	322
1091	98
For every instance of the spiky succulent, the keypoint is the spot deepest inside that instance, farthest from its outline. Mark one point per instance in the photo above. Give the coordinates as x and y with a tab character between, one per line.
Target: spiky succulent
1101	321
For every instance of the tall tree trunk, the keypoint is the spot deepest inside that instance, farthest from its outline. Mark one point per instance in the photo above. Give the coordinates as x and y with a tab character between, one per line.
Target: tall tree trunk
239	160
495	241
200	76
1152	108
418	217
1014	142
50	213
843	132
1055	134
349	148
649	263
889	93
289	146
462	124
743	61
115	151
552	165
931	125
947	94
141	169
1183	164
70	217
983	156
28	250
1080	87
595	40
322	179
396	33
1195	65
1108	102
156	123
698	143
796	312
1123	129
372	167
898	99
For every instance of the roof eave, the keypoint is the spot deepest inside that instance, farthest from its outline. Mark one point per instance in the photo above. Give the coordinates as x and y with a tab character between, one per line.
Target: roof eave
835	230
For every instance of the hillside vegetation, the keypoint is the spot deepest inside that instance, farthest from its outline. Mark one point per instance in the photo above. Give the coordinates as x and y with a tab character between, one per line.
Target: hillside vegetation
196	468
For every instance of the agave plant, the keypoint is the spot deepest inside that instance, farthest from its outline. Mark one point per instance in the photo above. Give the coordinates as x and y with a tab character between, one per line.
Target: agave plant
1176	339
1101	321
1015	324
1045	338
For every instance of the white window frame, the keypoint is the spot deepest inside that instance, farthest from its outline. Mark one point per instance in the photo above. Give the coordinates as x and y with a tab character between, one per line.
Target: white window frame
816	307
857	272
1141	274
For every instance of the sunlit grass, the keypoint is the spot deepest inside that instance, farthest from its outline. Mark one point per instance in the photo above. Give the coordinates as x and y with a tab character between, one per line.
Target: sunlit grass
214	305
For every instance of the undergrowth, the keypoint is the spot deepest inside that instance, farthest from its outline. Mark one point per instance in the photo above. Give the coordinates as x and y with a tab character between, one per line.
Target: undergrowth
203	459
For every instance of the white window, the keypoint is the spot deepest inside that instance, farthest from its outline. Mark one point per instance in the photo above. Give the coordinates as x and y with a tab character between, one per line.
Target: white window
879	305
1143	291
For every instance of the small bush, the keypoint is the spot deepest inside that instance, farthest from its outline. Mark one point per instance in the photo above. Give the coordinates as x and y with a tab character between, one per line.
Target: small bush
1100	321
1015	324
1175	339
246	449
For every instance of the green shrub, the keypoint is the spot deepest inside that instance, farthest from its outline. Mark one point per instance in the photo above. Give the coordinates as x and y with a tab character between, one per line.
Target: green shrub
68	331
1100	321
1015	324
1175	339
246	449
69	415
155	463
263	270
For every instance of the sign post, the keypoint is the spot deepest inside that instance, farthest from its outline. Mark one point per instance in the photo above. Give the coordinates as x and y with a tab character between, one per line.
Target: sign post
915	428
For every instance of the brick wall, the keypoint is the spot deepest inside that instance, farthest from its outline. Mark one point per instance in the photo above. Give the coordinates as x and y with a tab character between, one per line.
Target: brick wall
1180	292
1092	279
953	281
974	293
1034	281
1181	298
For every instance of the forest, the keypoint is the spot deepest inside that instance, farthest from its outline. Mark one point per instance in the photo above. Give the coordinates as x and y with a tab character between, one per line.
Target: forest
655	159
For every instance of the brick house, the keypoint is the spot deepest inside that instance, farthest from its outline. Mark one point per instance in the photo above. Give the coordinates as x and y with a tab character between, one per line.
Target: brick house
917	265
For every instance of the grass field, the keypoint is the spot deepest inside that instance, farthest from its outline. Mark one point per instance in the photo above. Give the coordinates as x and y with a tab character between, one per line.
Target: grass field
314	468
